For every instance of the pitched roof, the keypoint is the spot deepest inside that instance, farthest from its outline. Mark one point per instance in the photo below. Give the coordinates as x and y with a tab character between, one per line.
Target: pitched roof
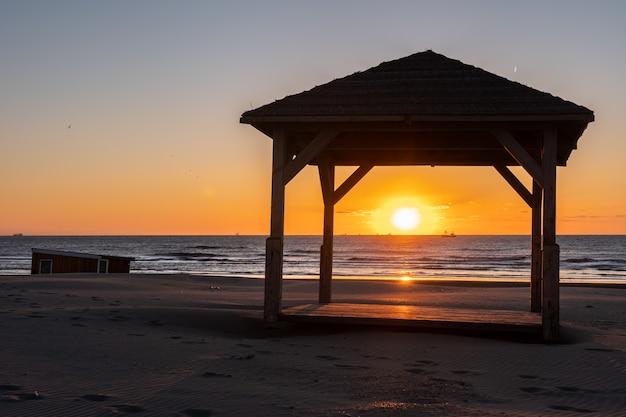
422	84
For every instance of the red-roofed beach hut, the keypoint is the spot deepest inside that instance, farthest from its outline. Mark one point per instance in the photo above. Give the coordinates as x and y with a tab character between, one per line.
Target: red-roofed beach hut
424	109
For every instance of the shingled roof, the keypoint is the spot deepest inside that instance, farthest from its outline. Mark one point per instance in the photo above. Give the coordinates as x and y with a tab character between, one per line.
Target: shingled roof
422	84
425	109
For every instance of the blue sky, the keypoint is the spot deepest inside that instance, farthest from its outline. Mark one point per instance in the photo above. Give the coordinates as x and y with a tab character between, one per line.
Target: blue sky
153	91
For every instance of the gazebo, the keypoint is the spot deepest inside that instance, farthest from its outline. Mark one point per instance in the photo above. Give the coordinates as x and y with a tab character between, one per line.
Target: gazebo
424	109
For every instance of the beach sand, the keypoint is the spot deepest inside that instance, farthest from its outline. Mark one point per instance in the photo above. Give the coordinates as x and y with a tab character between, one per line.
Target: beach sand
177	345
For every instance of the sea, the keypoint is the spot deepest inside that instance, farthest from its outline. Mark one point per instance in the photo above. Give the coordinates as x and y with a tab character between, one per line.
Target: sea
583	258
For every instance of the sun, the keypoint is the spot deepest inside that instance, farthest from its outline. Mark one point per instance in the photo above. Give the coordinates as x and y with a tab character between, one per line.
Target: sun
403	215
406	218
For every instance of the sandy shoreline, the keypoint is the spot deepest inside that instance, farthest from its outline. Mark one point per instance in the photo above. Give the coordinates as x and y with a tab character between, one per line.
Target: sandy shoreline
163	345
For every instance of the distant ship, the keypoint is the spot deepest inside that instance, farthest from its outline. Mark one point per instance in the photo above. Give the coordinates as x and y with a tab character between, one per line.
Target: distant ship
17	234
446	234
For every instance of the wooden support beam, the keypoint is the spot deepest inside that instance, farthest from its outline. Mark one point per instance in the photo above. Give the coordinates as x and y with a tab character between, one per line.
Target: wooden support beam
534	200
515	183
274	244
326	256
550	309
331	197
518	153
535	250
351	181
308	154
549	187
327	180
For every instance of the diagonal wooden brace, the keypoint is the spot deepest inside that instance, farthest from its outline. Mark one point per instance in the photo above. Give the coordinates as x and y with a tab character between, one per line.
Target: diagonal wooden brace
308	154
518	153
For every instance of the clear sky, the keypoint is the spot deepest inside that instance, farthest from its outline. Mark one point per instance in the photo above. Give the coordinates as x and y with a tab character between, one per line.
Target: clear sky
122	117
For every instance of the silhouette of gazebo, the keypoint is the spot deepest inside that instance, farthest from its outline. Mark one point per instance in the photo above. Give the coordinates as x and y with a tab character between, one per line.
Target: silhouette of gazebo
424	109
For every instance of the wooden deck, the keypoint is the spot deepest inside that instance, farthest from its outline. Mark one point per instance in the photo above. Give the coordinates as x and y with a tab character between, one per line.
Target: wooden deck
416	316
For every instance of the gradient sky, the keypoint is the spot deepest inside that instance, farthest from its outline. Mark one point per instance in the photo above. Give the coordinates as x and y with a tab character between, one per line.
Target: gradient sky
122	117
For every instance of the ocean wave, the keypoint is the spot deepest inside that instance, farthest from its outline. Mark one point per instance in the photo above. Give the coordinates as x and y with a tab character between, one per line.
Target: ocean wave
188	255
578	260
584	258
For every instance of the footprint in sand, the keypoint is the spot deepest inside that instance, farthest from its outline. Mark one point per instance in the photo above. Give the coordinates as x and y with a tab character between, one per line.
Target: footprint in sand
339	365
118	318
127	408
96	397
240	358
9	398
465	372
296	345
194	342
374	357
23	396
552	392
196	412
415	370
568	389
423	362
327	357
216	375
567	408
535	390
576	389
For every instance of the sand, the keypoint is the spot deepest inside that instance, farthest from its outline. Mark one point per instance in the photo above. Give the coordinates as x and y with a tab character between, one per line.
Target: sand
177	345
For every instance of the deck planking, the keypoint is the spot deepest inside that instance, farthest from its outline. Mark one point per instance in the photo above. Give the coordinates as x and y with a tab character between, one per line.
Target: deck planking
416	316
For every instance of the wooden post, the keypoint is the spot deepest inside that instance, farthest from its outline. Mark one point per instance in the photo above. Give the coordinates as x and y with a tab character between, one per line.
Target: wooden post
535	250
550	310
327	180
534	200
326	256
332	197
274	244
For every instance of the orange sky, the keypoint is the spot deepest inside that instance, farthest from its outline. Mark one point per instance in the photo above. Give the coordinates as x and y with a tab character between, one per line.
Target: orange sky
123	118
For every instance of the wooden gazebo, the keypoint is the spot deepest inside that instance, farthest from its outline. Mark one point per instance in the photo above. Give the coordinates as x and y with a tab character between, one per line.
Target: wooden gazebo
424	109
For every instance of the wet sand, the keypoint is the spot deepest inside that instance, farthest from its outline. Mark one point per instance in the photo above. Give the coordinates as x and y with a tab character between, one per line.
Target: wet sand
178	345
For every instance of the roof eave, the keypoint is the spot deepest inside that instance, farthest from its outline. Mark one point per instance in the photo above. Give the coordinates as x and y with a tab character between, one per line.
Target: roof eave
580	117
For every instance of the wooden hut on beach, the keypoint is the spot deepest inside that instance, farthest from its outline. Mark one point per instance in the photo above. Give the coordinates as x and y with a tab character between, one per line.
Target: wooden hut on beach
424	109
45	261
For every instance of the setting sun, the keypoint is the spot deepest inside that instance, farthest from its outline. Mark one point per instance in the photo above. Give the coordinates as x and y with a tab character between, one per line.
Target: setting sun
404	215
406	218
